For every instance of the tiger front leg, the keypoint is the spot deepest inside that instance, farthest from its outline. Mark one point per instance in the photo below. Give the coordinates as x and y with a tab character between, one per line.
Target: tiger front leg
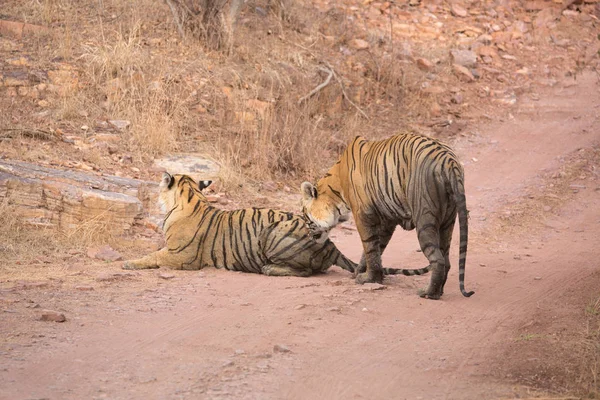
386	231
278	270
161	258
370	238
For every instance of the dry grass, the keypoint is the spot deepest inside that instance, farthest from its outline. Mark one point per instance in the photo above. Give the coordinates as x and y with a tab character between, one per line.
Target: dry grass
257	130
589	379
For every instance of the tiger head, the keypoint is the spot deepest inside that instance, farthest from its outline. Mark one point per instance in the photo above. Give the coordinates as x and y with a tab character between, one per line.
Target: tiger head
173	187
322	210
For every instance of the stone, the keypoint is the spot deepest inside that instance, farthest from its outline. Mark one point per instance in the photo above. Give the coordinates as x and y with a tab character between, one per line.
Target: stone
424	64
334	309
54	316
16	78
261	108
84	288
269	186
280	348
466	58
104	253
18	30
109	277
300	307
119	124
463	73
197	166
374	286
488	51
458	10
545	17
165	276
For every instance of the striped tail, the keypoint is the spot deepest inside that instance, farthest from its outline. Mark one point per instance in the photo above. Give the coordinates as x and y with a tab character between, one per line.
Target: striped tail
345	263
407	272
461	205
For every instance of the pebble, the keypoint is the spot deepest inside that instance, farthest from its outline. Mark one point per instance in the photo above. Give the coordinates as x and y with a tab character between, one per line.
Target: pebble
334	309
104	253
281	348
374	286
164	275
55	316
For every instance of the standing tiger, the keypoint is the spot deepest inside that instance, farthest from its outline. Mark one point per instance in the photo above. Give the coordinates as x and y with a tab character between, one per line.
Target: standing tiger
257	240
407	180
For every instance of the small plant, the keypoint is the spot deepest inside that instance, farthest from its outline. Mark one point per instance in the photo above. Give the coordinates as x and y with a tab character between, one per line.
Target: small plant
526	337
593	307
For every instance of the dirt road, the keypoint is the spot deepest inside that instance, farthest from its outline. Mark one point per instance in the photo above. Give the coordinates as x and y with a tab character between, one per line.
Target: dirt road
211	334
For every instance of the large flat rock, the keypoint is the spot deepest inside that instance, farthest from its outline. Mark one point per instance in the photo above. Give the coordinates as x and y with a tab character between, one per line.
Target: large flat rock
67	199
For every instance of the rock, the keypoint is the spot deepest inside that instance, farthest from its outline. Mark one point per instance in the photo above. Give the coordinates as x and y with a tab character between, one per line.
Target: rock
68	200
165	276
50	315
119	124
261	108
269	186
463	73
109	277
545	17
16	78
424	64
359	44
300	307
457	98
197	166
466	58
334	309
280	348
239	352
374	286
488	51
84	288
458	10
18	30
104	253
227	363
365	309
433	89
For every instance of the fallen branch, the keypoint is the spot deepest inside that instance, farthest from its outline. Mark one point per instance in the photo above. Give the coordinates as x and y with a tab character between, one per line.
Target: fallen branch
11	133
319	87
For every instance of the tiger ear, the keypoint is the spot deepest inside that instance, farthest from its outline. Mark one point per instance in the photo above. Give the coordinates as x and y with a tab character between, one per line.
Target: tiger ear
204	184
309	192
167	180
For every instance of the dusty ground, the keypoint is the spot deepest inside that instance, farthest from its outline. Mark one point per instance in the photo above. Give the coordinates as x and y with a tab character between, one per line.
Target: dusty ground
533	194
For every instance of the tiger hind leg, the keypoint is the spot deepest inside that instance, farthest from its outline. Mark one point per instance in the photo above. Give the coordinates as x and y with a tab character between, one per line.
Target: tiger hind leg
429	240
278	270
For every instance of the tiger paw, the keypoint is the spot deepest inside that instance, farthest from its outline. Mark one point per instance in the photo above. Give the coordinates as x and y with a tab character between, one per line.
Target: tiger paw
128	265
365	277
426	295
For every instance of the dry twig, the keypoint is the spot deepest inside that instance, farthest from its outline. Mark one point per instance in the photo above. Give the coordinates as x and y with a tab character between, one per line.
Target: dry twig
319	87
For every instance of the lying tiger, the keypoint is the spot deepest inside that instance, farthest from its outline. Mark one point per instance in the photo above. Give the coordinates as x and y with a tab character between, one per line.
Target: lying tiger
258	240
407	180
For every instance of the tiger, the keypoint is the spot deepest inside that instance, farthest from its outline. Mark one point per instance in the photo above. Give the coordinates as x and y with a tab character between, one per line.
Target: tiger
409	180
258	240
